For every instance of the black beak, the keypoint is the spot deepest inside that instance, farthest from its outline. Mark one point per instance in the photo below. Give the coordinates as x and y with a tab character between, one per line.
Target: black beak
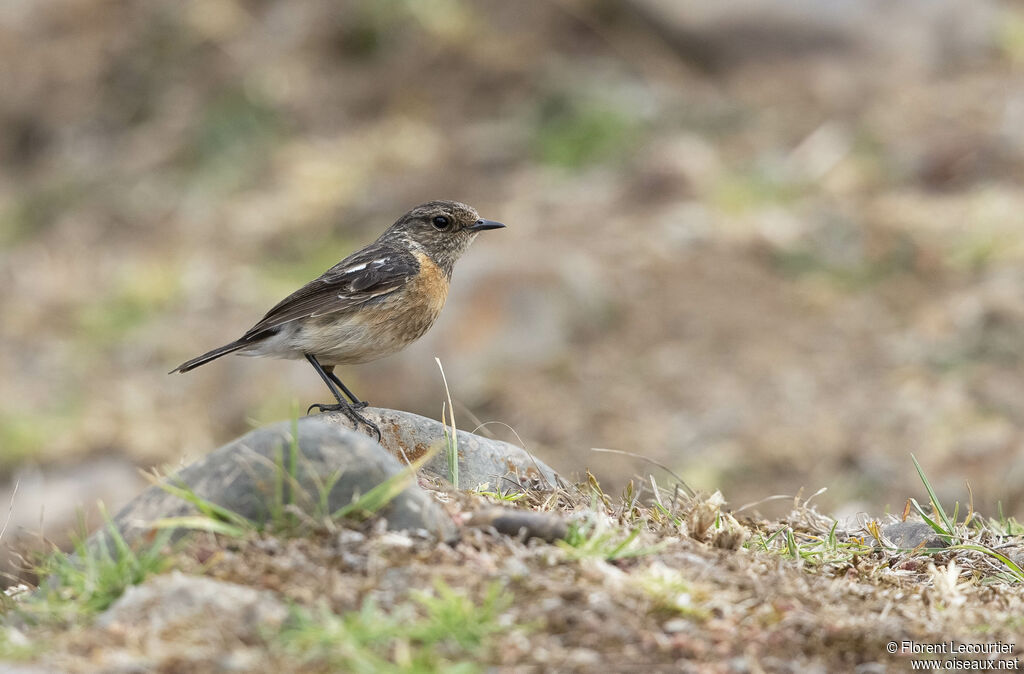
481	225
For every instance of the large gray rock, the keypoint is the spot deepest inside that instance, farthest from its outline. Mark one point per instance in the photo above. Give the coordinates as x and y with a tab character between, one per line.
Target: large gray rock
242	476
482	461
174	602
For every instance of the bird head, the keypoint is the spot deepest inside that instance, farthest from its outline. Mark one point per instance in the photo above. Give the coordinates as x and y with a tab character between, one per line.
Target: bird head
441	229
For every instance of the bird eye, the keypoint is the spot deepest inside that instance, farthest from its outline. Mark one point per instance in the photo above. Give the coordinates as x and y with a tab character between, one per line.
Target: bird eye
441	222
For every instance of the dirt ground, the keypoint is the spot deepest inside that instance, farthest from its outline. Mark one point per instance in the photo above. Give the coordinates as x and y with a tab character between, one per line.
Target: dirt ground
683	587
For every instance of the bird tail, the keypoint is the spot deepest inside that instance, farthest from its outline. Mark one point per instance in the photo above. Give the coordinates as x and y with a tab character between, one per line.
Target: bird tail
211	355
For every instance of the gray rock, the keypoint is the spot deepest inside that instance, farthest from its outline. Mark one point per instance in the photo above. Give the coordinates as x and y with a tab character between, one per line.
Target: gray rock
528	524
482	461
909	535
242	476
1015	554
173	618
174	601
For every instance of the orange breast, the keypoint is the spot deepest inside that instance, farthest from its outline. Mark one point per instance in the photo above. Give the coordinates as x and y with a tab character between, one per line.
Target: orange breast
430	285
415	308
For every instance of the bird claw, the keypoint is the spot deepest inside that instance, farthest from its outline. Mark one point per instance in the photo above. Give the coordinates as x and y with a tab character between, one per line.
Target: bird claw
335	407
350	412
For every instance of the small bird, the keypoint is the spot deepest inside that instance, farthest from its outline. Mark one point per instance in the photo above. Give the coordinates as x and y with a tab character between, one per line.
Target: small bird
371	304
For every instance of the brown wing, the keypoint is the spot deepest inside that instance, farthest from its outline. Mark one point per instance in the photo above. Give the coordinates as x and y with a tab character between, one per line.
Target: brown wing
357	279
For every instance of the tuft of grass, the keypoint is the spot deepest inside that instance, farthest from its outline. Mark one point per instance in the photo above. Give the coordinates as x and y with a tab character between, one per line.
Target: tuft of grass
510	495
81	585
443	630
662	515
958	533
358	642
1005	526
453	617
670	592
813	549
942	524
602	541
971	535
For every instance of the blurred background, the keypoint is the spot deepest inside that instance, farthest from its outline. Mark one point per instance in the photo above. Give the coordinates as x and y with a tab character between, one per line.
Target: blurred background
773	244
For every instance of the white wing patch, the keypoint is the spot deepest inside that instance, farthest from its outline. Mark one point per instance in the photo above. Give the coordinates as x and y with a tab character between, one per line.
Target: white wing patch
380	262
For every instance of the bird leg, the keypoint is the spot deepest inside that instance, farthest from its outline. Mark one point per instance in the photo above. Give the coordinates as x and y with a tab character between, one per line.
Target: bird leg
356	402
343	406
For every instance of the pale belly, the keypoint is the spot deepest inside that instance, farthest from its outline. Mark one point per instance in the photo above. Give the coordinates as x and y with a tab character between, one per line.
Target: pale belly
345	338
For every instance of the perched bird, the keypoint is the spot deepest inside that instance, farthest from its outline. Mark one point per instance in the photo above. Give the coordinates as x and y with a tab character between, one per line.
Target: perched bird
371	304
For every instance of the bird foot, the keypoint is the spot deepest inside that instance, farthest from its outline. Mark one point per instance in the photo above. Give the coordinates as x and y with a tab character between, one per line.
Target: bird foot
350	412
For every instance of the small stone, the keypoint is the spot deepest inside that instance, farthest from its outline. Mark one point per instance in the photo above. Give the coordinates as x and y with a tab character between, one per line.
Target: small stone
529	524
393	539
551	604
350	537
515	568
582	657
909	535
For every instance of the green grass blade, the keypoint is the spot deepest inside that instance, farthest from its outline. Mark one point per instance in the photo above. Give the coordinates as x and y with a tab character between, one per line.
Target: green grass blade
205	507
928	520
626	542
1014	568
934	499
